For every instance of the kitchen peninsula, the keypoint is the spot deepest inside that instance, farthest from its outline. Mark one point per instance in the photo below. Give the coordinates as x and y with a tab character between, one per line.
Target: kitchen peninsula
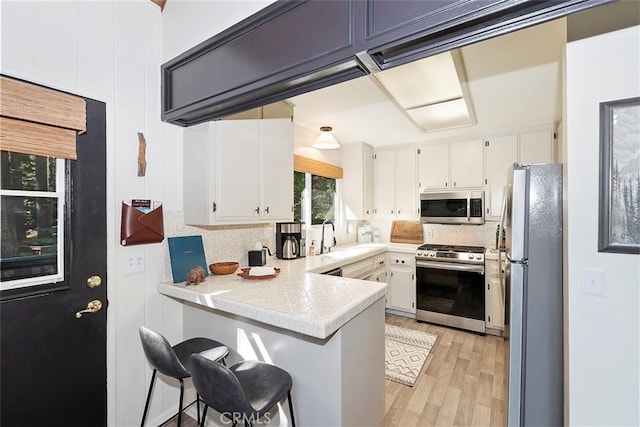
326	331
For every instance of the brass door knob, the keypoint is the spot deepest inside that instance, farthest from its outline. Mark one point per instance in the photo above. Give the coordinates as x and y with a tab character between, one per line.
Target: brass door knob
94	281
92	307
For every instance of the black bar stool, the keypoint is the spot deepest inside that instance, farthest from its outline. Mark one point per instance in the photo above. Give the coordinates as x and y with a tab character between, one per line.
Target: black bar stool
175	361
243	392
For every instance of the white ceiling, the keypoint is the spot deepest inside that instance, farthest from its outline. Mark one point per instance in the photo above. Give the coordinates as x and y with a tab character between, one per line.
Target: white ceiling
513	81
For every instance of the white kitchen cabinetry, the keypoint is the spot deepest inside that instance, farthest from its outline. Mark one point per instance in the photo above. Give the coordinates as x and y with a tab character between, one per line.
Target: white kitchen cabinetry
451	166
359	270
357	180
494	294
401	293
466	164
537	147
395	191
434	167
502	152
372	268
238	171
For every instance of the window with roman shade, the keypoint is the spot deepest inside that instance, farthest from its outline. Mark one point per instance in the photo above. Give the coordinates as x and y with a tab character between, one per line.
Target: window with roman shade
38	120
38	129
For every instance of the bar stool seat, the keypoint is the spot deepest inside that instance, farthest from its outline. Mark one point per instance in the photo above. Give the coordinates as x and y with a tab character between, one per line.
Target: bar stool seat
243	392
175	361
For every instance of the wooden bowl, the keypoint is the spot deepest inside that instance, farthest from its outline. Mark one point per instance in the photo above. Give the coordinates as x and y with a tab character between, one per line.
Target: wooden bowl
223	267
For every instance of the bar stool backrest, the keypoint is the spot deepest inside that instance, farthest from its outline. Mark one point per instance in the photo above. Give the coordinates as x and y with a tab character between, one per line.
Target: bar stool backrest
219	387
160	354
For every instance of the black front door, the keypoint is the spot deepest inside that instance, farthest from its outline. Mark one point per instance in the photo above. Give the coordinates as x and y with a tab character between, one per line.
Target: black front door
53	363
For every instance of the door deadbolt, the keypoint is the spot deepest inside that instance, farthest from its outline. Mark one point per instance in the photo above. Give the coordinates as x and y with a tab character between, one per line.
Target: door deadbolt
92	307
94	281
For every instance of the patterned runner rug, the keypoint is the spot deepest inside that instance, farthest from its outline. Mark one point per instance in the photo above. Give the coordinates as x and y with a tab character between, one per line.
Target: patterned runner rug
406	350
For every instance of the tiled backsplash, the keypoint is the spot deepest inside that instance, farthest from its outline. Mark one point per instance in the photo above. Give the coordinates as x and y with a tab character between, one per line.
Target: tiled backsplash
221	242
231	242
448	234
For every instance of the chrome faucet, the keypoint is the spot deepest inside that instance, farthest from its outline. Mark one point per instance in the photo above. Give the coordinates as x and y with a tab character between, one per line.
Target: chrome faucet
333	228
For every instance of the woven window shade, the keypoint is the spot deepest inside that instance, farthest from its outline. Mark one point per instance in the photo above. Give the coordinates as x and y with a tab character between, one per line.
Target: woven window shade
316	167
39	120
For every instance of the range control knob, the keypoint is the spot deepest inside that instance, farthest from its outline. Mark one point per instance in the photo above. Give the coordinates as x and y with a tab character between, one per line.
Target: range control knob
478	257
470	256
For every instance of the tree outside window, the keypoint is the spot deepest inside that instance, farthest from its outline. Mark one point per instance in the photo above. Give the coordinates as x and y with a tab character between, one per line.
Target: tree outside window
319	192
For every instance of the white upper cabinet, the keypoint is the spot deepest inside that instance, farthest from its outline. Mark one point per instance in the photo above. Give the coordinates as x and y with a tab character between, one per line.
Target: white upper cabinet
238	171
434	167
237	162
406	188
395	184
466	165
501	153
276	151
357	180
527	147
384	183
451	166
536	147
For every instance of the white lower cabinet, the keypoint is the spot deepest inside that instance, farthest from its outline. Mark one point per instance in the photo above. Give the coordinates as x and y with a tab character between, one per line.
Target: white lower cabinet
494	294
359	270
401	293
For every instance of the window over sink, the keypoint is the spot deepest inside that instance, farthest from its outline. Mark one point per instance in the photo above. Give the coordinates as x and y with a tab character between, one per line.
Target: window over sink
315	198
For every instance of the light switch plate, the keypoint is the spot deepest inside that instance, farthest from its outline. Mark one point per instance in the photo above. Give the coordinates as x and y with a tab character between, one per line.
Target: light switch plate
592	282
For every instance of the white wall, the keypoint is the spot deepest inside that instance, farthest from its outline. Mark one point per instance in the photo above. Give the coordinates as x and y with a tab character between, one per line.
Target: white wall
604	331
111	51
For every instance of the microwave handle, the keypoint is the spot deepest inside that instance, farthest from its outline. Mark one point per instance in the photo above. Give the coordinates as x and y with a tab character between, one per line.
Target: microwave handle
468	207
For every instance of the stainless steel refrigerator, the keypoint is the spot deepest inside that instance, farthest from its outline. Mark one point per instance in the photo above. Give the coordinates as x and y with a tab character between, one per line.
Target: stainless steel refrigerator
533	296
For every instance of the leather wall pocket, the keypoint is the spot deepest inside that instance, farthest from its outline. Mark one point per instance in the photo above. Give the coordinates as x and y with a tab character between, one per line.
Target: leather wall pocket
139	228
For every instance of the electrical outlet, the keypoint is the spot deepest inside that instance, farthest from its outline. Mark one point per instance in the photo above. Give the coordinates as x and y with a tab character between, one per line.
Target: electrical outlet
133	264
429	234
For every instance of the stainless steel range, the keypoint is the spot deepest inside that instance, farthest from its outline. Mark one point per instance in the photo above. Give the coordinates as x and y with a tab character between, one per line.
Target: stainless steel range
450	286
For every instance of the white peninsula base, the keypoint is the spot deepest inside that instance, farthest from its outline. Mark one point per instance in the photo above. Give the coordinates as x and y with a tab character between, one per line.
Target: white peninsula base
337	381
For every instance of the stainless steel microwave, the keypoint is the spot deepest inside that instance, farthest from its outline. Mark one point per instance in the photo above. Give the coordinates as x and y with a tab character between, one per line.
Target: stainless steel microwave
452	207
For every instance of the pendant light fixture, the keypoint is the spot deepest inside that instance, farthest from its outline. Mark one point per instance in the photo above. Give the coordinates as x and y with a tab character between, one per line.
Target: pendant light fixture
326	141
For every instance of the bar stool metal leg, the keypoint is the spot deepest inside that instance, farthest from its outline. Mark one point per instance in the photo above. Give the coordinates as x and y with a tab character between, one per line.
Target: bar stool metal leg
293	421
204	415
180	405
146	405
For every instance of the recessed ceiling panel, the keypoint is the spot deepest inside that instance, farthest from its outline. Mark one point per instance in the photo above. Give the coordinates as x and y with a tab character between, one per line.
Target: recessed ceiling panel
424	82
443	115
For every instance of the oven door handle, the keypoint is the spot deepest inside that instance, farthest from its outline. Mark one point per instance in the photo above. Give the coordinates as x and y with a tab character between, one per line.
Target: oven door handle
451	266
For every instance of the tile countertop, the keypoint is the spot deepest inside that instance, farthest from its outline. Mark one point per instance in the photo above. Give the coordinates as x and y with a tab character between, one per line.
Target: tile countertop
298	299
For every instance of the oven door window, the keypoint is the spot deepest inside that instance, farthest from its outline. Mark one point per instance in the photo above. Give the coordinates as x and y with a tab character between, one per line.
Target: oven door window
456	293
444	208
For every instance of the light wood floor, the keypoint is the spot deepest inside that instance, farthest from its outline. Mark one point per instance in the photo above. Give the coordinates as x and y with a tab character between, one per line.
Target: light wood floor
461	383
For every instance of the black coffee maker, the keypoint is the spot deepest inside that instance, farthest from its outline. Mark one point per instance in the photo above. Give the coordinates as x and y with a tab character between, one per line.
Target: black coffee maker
290	240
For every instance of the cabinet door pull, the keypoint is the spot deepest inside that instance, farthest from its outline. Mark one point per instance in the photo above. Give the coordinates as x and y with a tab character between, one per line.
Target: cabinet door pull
215	206
258	210
445	184
266	210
